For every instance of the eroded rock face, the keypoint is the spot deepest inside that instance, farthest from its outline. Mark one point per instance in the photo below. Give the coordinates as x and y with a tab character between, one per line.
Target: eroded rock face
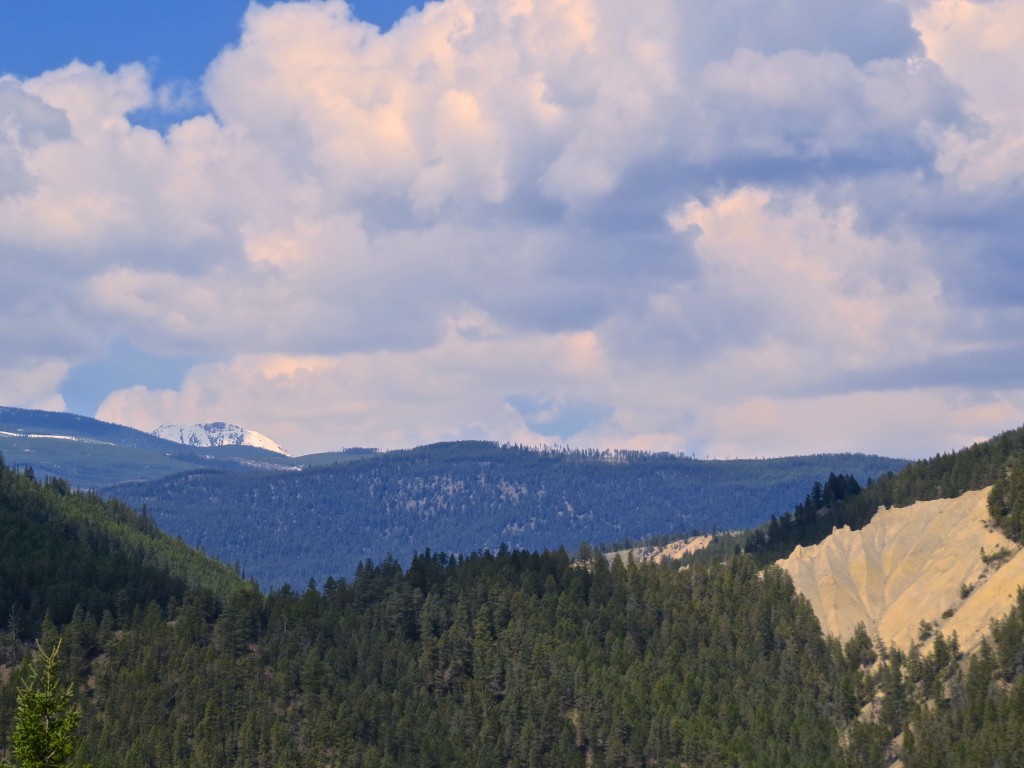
911	564
671	551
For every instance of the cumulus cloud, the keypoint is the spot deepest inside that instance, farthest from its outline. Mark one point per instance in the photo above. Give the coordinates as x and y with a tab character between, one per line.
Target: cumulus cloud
27	122
32	383
456	388
663	226
793	272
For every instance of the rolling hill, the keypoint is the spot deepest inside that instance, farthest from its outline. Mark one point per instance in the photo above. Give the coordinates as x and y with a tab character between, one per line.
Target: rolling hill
514	658
62	548
466	496
89	453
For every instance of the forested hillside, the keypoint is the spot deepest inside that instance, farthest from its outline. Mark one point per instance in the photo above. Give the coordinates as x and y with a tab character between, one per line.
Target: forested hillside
520	659
467	496
62	548
842	501
504	658
495	660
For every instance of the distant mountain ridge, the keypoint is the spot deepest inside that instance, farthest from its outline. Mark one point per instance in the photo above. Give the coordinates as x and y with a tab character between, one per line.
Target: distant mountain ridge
466	496
717	663
217	433
249	504
90	453
27	422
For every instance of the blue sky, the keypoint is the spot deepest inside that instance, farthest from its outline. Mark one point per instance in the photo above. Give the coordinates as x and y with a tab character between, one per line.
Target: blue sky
175	40
719	228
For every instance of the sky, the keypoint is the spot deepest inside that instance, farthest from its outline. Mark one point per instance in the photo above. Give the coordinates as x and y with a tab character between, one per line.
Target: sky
722	227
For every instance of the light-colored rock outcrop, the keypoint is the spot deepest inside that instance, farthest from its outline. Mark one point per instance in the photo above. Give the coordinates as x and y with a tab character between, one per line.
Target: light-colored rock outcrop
671	551
910	564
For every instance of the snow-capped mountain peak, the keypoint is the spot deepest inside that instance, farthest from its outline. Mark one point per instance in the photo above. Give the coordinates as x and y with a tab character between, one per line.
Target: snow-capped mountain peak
217	433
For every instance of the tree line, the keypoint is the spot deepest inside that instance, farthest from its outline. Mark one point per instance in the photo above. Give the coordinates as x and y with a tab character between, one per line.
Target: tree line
468	496
502	657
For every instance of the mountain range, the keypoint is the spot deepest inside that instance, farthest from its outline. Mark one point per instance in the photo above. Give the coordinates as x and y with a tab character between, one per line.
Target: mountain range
467	496
291	519
510	657
90	453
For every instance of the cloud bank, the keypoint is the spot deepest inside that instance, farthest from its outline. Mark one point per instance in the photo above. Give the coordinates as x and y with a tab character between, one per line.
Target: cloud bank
718	228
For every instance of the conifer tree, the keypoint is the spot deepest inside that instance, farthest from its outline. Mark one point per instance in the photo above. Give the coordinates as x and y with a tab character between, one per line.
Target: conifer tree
46	721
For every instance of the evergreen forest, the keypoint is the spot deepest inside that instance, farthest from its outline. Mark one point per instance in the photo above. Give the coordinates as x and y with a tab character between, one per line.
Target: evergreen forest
289	526
842	501
501	657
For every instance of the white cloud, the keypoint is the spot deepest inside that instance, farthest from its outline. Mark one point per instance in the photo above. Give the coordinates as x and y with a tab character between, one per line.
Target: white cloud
33	384
456	388
819	106
978	46
639	222
812	285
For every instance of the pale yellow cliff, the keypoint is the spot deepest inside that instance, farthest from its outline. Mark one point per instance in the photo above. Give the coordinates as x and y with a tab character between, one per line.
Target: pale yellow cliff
910	564
671	551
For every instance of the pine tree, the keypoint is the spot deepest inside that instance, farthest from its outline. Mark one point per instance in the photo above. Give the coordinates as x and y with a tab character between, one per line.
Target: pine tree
46	721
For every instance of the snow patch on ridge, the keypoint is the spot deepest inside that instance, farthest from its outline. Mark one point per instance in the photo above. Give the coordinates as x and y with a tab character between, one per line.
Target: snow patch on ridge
54	437
217	433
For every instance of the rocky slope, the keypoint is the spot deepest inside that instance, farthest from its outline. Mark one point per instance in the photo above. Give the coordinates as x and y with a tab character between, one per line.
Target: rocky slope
671	551
941	562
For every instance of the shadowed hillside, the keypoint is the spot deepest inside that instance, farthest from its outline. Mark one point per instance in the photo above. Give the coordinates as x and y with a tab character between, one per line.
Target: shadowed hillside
467	496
